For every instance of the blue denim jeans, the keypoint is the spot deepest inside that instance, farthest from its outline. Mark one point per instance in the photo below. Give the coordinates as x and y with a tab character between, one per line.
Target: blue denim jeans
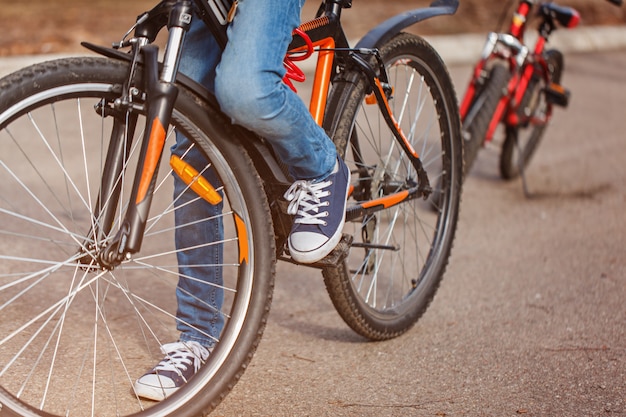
246	79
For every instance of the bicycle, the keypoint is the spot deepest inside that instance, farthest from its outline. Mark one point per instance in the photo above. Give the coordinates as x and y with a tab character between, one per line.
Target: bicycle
86	210
517	87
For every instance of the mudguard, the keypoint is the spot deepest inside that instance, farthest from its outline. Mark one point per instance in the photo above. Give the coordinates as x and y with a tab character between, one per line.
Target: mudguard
391	27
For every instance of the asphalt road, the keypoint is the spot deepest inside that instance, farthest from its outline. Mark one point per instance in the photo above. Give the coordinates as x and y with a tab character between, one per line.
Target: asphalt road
530	317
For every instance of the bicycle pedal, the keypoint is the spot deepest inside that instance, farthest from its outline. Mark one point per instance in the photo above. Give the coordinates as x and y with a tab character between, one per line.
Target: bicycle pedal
558	95
337	255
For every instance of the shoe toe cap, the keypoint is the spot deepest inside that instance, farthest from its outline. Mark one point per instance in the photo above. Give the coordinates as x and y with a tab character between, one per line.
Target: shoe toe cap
154	387
306	241
154	380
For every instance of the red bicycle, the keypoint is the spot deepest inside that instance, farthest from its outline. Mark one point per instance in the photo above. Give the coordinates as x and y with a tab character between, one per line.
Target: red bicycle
516	86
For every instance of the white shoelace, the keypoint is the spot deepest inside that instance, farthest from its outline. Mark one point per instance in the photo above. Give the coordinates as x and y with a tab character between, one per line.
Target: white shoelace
304	197
180	356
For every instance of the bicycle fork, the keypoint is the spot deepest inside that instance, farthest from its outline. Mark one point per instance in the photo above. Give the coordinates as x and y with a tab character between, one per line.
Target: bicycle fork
160	96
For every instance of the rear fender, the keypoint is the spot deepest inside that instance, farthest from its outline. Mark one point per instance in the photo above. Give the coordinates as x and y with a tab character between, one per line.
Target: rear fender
391	27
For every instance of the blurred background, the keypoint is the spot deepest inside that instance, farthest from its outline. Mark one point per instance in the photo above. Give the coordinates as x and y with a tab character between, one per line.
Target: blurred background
58	26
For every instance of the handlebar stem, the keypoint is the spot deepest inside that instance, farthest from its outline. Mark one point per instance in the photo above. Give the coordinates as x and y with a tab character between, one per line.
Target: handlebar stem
517	48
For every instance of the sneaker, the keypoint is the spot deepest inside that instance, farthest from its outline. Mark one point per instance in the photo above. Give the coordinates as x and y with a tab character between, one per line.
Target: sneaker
182	360
319	207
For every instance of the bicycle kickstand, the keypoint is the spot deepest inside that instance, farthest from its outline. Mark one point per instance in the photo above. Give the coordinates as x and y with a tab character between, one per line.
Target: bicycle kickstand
522	173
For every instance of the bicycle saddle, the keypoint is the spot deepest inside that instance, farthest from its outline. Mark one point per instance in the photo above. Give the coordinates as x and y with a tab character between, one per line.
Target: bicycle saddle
566	16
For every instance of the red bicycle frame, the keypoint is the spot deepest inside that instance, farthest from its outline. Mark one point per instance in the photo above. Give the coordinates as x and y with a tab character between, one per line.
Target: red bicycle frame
523	63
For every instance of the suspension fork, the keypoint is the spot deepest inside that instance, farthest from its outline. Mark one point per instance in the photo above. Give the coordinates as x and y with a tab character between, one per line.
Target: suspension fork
161	95
116	159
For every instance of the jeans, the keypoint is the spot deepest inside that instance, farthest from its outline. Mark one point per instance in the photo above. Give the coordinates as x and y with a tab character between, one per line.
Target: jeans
247	82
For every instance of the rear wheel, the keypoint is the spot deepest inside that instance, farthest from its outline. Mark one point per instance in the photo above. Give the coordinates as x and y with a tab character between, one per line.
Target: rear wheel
399	254
75	334
522	140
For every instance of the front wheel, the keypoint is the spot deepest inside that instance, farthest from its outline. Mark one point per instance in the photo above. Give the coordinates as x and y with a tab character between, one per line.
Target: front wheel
75	334
399	254
521	141
481	112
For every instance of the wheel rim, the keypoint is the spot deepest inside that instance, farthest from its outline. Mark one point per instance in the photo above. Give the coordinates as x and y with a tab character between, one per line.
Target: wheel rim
74	337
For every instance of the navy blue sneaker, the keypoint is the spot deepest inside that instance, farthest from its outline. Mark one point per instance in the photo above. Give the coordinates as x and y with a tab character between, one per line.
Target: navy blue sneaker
320	210
182	361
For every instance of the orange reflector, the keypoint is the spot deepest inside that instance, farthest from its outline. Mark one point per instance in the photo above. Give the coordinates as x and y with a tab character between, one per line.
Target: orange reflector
370	98
194	180
242	238
557	87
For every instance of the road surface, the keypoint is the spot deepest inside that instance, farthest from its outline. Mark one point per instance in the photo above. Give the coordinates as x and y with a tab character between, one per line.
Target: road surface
530	318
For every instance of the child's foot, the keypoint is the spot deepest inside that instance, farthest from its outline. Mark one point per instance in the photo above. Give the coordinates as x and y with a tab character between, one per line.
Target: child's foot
320	208
182	360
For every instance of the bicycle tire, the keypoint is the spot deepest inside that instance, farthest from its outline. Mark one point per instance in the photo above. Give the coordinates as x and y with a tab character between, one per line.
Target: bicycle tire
406	277
75	346
521	141
481	113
